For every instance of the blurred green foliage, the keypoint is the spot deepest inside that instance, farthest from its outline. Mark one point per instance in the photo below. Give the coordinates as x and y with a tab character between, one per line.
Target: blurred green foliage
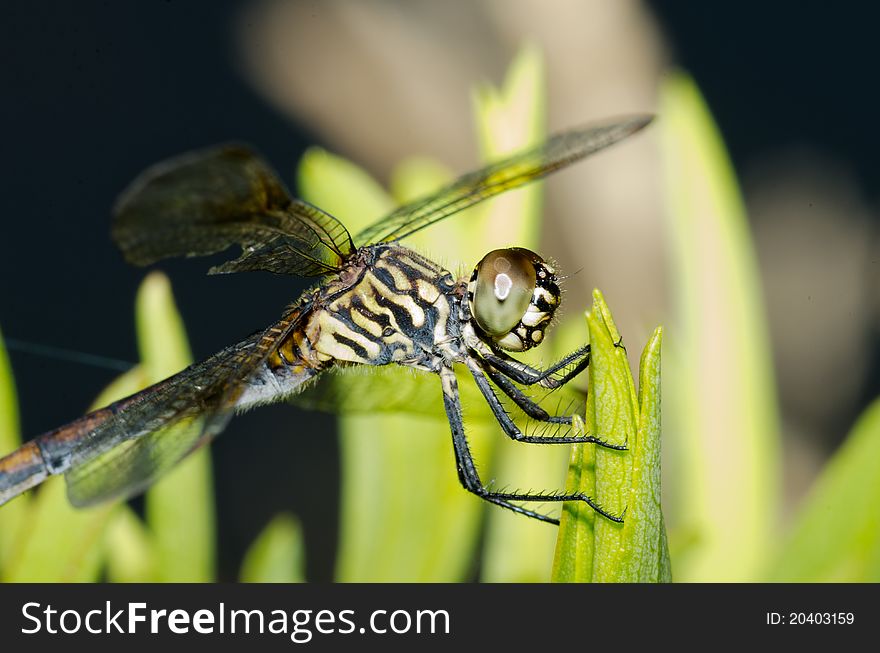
277	555
836	536
722	426
404	515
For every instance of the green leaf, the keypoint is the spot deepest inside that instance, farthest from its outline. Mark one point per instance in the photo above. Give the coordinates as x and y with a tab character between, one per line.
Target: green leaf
58	543
836	536
11	515
180	507
10	437
405	516
341	188
589	547
646	557
277	555
724	449
130	550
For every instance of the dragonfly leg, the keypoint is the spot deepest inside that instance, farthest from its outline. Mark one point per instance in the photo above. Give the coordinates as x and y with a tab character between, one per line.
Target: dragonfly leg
521	399
470	479
530	408
527	375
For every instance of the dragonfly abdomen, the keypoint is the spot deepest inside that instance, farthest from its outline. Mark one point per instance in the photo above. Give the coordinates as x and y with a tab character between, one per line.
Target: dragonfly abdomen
272	384
21	470
53	452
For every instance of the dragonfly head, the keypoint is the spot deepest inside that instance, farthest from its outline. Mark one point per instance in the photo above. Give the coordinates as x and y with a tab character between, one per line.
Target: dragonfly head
513	294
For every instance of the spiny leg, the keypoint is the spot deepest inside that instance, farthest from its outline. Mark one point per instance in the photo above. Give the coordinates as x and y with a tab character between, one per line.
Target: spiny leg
535	411
527	375
521	399
470	479
511	429
523	373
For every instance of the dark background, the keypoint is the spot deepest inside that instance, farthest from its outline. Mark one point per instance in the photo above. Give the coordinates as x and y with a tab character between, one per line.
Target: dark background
92	92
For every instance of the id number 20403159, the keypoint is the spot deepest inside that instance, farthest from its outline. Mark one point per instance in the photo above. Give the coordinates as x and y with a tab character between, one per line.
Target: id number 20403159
813	618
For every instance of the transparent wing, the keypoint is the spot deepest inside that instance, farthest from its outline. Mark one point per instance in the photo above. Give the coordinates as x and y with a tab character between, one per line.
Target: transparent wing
147	437
366	390
370	390
203	202
557	152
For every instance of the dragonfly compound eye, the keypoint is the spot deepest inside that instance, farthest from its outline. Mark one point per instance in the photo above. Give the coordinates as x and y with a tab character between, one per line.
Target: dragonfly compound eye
513	294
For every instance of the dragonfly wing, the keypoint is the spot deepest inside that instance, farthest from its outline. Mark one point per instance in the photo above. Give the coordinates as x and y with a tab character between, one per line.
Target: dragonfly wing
557	152
134	447
366	390
203	202
305	242
372	390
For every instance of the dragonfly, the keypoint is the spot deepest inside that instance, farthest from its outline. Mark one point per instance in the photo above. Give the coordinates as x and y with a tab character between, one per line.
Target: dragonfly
375	302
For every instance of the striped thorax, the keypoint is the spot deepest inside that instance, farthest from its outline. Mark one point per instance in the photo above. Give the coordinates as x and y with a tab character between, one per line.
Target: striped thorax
395	312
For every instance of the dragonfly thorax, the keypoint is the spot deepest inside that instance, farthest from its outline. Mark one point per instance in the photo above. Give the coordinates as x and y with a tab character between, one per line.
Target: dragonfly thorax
393	309
512	295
